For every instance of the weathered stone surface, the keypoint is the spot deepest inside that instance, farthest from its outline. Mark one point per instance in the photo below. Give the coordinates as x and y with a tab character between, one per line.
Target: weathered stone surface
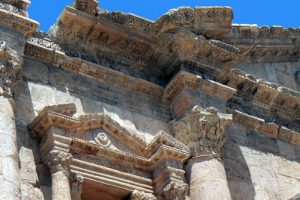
102	95
208	179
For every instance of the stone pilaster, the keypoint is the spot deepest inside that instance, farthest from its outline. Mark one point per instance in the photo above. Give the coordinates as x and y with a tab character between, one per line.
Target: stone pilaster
203	131
59	167
77	182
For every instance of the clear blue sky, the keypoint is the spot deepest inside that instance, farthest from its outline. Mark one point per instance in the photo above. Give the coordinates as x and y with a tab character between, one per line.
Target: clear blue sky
262	12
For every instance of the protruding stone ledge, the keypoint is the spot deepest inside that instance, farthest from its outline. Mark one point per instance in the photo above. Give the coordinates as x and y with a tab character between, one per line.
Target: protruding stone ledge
279	102
271	130
98	72
187	80
20	23
288	135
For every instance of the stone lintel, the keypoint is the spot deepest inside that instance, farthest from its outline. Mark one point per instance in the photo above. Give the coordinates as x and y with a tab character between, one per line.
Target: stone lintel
20	23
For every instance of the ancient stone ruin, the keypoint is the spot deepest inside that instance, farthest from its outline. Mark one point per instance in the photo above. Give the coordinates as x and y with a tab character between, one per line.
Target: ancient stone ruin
111	106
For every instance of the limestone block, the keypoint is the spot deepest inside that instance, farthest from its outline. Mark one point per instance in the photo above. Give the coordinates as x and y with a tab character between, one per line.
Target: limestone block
286	150
35	70
288	187
288	135
269	129
183	102
29	192
28	169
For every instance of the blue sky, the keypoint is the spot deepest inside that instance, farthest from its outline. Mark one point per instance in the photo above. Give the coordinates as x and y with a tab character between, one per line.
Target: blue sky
262	12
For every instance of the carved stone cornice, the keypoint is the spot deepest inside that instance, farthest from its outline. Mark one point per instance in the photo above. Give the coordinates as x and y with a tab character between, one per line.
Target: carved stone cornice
195	82
20	23
203	131
87	6
59	161
264	97
213	22
15	6
47	54
10	66
138	195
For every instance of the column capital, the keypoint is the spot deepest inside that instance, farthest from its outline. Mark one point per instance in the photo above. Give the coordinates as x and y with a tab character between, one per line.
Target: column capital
175	190
138	195
203	130
59	161
10	65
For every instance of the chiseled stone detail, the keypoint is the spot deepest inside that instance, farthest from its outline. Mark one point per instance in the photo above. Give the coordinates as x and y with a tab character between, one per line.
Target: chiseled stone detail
176	190
59	161
10	66
203	131
88	6
138	195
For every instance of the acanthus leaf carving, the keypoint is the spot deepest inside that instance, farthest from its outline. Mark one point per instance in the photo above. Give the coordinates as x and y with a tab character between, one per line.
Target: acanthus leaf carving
203	131
59	161
138	195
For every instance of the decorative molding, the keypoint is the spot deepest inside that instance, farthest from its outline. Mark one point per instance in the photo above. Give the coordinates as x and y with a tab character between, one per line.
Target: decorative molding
195	82
98	72
265	97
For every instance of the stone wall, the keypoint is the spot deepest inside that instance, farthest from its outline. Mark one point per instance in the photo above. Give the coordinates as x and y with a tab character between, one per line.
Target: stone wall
259	167
43	85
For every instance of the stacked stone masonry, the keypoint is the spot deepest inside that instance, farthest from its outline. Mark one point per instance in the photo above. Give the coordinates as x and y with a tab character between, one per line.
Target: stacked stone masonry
112	106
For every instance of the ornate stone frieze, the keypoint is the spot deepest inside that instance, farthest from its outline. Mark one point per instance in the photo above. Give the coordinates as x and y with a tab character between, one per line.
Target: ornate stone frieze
203	131
59	161
175	190
137	195
10	66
